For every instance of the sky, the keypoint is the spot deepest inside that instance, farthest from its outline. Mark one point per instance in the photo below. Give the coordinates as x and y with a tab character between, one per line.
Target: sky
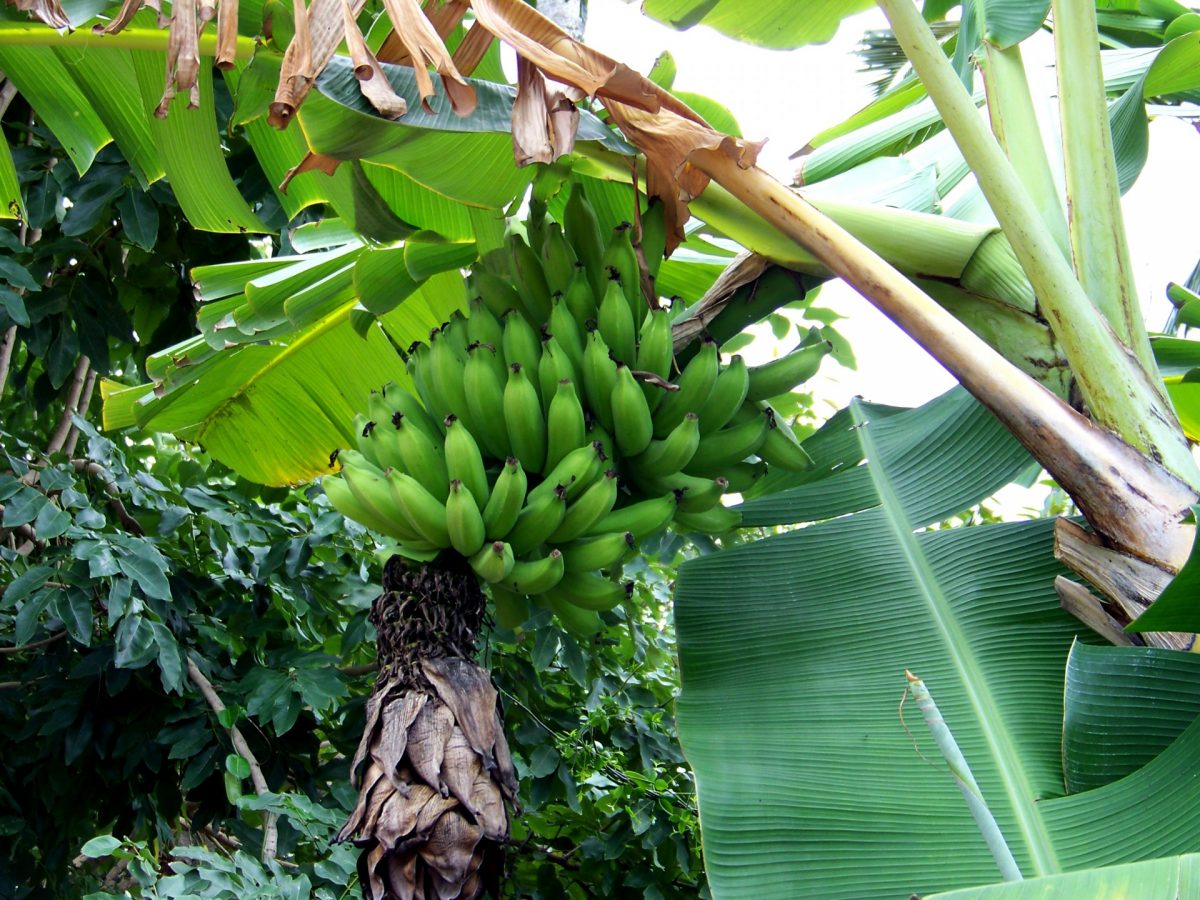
788	96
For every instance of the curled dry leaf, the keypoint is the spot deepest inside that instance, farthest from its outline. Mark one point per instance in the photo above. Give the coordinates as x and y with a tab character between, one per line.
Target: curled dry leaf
467	689
312	162
530	127
395	720
443	16
183	57
425	48
302	74
48	11
227	34
326	28
371	79
121	20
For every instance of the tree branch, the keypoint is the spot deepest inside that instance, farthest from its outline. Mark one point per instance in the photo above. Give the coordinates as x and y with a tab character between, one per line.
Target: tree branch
81	410
74	390
25	648
7	343
128	522
270	825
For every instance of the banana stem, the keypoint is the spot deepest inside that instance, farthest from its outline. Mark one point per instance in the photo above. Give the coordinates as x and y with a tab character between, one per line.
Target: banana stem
1098	242
1121	395
1128	497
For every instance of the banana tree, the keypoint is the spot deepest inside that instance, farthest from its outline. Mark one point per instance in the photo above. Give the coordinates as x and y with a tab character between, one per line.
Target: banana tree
1126	464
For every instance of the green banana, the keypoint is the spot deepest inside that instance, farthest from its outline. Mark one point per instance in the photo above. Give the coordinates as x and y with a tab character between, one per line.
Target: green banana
655	352
537	521
600	552
578	297
728	395
582	230
464	522
493	562
566	330
597	434
553	368
632	423
580	623
558	259
599	379
396	399
653	238
464	462
512	610
644	518
574	473
524	421
590	591
743	475
535	576
672	453
423	459
697	493
521	344
728	446
529	278
782	449
717	520
483	327
617	325
349	503
621	262
695	385
597	501
779	376
417	365
504	505
565	428
496	293
447	375
366	443
484	390
424	511
454	332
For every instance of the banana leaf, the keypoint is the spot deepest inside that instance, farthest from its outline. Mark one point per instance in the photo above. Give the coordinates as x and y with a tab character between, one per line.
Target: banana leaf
793	651
1158	879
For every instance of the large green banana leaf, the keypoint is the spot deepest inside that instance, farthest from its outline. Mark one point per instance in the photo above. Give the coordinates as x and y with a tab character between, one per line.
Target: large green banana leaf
793	651
1158	879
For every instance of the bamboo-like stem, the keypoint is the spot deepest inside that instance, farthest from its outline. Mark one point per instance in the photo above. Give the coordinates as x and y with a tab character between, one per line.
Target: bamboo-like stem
35	34
85	401
1121	395
1135	502
270	824
1098	242
957	763
1014	122
59	438
7	343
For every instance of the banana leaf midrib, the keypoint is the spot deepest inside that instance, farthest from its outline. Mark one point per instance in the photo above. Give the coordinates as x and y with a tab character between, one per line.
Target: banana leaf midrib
1018	788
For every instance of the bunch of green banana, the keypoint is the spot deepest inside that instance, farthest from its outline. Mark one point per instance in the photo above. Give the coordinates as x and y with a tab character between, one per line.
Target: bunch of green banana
549	430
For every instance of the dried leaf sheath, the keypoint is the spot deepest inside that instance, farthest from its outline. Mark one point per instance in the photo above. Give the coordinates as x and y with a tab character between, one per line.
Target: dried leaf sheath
183	56
371	79
431	815
48	11
227	33
471	50
423	44
326	27
443	16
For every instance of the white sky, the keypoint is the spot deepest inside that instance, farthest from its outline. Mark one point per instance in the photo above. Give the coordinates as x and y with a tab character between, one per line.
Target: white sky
788	96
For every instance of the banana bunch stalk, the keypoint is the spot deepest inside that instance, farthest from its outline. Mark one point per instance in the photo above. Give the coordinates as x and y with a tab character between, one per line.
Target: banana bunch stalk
548	431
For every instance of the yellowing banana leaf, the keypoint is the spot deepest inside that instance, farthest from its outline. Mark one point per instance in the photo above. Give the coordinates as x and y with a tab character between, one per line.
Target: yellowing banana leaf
1157	879
793	651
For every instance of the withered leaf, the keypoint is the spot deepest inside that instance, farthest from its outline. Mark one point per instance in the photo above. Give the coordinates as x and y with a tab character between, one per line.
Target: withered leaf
375	701
460	766
326	27
425	47
504	764
427	742
451	846
530	124
227	34
467	690
397	715
487	805
359	813
402	875
472	48
372	81
398	817
368	875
